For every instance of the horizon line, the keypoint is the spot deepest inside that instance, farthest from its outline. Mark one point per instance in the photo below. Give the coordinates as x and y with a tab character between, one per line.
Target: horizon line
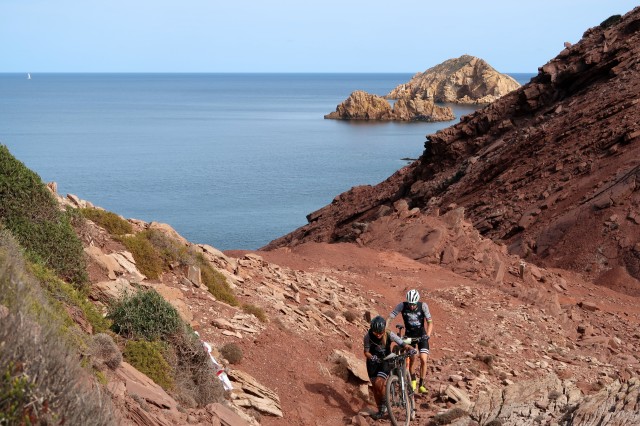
235	72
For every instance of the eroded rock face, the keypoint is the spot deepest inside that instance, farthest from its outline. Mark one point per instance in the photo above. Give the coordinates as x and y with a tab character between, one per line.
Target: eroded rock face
361	105
465	80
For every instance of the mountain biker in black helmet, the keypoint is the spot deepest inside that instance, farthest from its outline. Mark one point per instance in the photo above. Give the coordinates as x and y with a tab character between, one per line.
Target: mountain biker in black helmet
414	314
377	345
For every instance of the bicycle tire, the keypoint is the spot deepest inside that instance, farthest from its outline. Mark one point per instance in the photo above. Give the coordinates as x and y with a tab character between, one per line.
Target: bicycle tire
411	396
397	403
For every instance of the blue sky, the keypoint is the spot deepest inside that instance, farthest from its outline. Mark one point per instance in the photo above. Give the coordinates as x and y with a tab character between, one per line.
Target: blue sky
288	35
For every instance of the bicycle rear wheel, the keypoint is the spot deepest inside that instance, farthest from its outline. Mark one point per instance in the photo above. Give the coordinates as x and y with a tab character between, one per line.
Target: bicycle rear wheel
398	402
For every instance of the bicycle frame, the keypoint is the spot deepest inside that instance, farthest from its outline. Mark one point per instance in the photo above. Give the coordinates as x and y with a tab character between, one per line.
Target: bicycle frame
400	402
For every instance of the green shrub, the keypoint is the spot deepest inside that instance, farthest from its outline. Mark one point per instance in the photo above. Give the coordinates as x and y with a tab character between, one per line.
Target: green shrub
70	296
146	256
232	353
32	215
257	311
113	223
147	357
170	250
154	252
15	395
216	283
144	315
101	377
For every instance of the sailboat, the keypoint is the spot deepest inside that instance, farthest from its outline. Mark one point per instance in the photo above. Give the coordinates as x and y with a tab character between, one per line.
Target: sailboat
28	76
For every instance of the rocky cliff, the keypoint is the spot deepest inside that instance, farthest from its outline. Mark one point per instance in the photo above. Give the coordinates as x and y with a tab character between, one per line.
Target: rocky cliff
361	105
465	80
550	170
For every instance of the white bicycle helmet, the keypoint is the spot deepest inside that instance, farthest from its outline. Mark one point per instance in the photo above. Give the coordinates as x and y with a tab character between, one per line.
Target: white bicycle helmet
413	296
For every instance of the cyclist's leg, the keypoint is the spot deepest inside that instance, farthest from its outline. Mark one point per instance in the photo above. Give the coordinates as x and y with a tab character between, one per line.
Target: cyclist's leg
378	390
411	366
424	358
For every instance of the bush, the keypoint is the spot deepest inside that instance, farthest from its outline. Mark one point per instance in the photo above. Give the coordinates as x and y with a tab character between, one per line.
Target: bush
330	313
15	395
350	316
32	215
216	283
144	315
105	351
257	311
610	21
232	353
41	380
147	258
487	359
68	295
113	223
169	249
148	358
154	252
195	376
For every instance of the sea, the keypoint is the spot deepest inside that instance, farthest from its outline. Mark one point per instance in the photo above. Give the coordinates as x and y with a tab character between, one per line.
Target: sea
230	160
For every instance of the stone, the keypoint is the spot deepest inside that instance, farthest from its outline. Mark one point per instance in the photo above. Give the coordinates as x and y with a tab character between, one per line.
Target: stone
248	392
138	384
589	306
227	416
354	364
459	396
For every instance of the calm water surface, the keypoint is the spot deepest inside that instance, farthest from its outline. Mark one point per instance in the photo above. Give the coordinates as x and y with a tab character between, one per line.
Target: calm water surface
231	160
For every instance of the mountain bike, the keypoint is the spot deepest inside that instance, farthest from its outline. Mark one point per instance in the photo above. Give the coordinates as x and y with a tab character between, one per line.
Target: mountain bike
399	395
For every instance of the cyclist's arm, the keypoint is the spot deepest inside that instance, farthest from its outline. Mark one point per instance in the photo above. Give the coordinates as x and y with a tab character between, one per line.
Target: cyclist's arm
394	314
427	314
367	347
429	327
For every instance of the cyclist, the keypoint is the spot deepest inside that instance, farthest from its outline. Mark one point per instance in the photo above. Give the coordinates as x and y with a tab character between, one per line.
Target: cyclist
414	314
377	345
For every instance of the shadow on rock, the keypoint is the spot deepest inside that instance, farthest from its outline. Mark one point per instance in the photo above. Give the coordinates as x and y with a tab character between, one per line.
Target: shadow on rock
332	398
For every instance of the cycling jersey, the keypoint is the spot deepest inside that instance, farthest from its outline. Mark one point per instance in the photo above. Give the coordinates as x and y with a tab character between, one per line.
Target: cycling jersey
413	319
375	346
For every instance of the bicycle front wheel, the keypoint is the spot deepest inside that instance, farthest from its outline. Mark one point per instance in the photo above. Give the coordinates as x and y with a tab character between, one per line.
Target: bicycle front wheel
411	395
398	402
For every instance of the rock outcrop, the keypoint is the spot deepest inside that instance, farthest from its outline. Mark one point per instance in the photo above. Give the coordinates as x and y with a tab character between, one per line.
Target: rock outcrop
465	80
361	105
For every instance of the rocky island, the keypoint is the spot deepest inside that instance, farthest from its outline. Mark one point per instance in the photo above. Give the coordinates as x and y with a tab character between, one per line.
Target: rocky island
361	105
464	80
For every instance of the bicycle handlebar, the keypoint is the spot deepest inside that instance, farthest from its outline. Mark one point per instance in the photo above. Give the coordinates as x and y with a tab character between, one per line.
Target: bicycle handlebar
415	340
396	358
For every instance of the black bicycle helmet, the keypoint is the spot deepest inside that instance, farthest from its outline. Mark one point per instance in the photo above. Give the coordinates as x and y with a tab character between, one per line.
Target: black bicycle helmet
378	324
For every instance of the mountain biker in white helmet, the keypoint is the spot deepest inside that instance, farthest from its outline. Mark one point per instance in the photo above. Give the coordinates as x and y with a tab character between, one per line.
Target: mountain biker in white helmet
377	345
415	313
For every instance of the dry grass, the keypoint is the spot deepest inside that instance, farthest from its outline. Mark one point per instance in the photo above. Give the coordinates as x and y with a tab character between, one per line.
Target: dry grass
232	353
105	351
42	380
